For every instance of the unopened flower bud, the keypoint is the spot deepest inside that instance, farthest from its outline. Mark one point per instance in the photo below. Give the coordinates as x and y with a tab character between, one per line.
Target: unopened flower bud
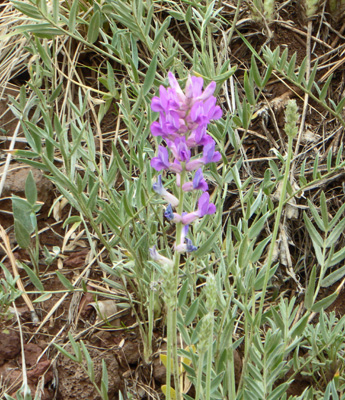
291	118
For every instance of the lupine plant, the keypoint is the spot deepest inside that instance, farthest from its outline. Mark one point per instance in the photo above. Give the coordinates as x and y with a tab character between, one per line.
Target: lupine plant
182	124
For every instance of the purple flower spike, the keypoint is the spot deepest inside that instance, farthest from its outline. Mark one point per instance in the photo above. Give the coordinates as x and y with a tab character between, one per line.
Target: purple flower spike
159	188
162	160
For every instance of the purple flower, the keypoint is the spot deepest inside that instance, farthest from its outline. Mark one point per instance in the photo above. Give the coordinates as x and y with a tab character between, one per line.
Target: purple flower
204	207
159	188
194	87
211	110
167	100
171	216
162	160
198	183
167	126
179	149
209	155
186	245
175	85
208	92
160	259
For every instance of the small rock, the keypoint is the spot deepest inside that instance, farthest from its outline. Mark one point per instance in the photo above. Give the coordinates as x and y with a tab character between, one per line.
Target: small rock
15	182
74	383
9	345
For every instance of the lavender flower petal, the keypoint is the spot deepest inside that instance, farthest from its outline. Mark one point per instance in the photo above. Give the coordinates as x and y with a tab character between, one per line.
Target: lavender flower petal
162	160
199	182
204	205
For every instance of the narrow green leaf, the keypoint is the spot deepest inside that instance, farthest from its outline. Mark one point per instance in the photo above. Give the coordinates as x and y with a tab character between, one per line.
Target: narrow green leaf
336	232
324	90
339	108
23	236
150	75
42	298
299	327
56	6
93	31
255	230
91	204
314	234
312	77
301	71
337	216
324	303
183	294
249	89
27	9
33	277
309	293
189	14
336	258
105	381
333	277
67	284
316	216
160	33
191	313
65	352
282	60
73	15
324	211
291	66
30	189
207	245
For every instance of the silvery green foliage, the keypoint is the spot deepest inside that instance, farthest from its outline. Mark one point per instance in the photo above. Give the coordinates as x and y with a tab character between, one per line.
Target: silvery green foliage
324	347
288	70
8	293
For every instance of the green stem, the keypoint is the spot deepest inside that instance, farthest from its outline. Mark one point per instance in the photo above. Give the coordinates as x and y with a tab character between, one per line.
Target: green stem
209	363
172	307
199	376
276	228
170	327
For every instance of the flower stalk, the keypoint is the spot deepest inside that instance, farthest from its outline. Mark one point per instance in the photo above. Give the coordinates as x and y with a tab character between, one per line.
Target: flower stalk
182	124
